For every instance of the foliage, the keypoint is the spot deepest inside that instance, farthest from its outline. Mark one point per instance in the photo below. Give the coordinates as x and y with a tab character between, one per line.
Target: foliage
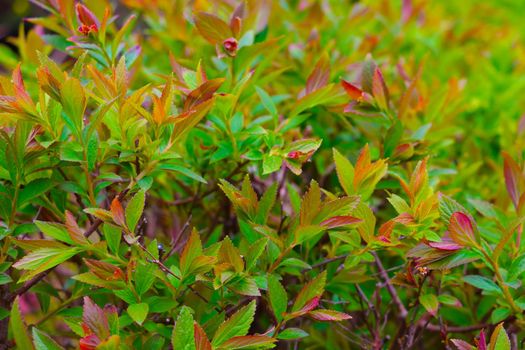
255	174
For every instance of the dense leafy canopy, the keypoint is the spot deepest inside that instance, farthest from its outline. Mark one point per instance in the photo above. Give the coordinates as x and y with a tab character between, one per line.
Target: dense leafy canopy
255	174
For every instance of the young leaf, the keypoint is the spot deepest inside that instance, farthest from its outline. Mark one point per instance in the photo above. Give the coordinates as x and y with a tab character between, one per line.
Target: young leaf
345	172
311	204
499	340
74	102
201	340
312	289
461	229
43	259
212	28
118	212
328	315
513	178
319	76
229	254
95	319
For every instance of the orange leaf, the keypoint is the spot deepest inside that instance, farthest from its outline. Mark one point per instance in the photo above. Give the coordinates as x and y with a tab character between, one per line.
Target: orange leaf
118	212
212	28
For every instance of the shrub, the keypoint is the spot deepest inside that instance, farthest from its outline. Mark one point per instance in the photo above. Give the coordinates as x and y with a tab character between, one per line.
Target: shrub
293	174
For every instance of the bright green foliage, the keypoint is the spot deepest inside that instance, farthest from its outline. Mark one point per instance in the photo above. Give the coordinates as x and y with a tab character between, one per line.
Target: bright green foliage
313	174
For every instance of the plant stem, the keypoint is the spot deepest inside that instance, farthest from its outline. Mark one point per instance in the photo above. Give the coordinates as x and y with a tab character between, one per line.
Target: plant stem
391	290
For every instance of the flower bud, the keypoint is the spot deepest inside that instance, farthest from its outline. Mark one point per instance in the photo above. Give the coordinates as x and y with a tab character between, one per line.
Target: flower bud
230	46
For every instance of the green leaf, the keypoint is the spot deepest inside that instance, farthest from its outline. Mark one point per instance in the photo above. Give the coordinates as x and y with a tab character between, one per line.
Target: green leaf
278	297
499	340
113	235
237	325
482	283
184	171
292	333
254	252
56	231
33	190
499	314
267	102
18	328
326	94
448	206
271	163
5	279
183	336
138	312
430	303
345	172
399	204
266	204
144	276
310	204
134	210
73	99
245	286
43	259
43	341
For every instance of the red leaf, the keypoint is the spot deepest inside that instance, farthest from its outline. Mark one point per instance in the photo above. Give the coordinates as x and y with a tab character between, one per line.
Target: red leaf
513	178
446	244
94	318
89	342
309	306
86	17
342	220
461	344
201	340
328	315
20	90
406	10
461	229
379	89
202	94
319	76
353	91
482	342
73	229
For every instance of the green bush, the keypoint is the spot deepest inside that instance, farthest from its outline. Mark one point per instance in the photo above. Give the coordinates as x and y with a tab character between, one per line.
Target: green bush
255	174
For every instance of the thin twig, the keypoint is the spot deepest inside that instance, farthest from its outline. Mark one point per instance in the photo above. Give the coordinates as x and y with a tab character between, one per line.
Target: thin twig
391	290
